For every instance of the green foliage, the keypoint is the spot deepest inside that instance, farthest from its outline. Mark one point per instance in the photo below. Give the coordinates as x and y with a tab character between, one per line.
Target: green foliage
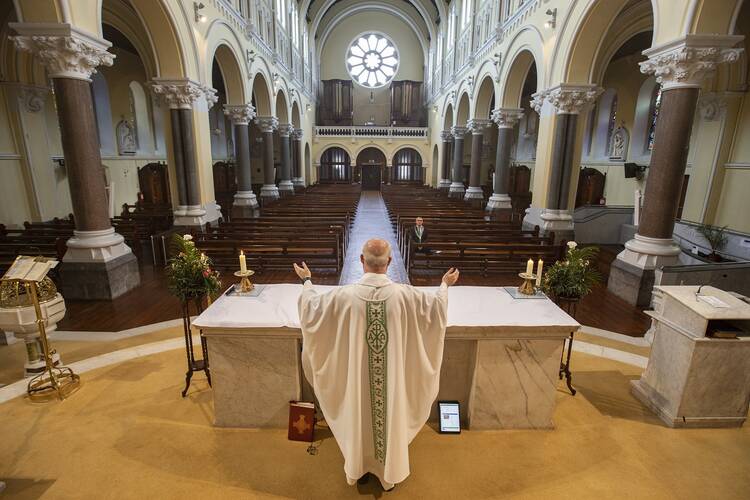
716	236
189	272
573	277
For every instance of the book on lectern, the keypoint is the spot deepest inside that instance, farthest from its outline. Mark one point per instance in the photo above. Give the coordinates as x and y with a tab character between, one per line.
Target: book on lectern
301	421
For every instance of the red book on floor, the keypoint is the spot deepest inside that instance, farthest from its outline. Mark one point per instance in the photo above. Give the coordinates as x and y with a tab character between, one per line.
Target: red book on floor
301	421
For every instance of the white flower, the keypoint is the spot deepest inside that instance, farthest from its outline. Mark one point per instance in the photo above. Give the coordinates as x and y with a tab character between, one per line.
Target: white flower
188	237
572	245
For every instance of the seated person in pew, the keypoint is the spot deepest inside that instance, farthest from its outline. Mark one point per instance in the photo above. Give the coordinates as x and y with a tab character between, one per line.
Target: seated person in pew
356	356
418	235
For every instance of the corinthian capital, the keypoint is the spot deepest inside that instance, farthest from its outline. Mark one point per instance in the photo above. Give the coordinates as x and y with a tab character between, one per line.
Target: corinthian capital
298	134
446	136
66	52
285	129
458	132
212	97
267	123
572	99
688	61
240	114
537	100
177	93
477	126
507	117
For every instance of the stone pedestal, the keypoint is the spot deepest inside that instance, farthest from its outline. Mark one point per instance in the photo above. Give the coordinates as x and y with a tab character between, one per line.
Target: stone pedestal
100	280
245	205
20	322
693	380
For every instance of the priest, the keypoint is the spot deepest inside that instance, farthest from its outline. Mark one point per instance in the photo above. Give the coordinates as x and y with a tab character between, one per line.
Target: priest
372	352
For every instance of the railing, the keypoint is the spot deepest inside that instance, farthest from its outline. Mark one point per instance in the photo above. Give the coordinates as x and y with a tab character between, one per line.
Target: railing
370	131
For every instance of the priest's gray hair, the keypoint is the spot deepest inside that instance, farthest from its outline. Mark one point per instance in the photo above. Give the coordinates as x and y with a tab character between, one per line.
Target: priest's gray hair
376	253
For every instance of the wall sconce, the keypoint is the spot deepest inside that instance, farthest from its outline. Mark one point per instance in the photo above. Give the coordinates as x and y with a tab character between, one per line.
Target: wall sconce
308	107
59	163
197	7
552	21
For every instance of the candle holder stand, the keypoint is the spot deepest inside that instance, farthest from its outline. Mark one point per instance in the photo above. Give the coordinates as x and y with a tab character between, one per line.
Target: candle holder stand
245	284
527	287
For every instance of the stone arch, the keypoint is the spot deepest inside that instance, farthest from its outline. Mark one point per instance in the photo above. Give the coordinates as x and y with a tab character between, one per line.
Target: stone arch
296	121
329	146
282	108
462	110
485	95
262	95
515	78
374	146
714	16
638	22
231	72
448	117
572	57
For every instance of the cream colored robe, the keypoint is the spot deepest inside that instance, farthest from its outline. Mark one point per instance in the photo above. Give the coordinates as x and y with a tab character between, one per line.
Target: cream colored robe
372	352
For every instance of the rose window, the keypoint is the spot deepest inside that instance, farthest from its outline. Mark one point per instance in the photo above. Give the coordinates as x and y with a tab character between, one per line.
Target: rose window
372	60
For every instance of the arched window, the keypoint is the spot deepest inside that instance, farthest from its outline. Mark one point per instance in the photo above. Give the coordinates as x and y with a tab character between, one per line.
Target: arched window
407	167
451	25
612	123
653	115
335	166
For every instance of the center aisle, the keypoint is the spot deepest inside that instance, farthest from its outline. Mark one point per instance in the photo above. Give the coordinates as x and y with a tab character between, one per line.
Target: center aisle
371	221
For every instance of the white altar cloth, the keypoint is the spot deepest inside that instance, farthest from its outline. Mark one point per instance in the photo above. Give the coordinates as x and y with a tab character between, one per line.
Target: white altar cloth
468	306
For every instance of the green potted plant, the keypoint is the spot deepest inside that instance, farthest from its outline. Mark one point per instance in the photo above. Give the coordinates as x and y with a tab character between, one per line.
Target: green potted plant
189	272
568	280
717	239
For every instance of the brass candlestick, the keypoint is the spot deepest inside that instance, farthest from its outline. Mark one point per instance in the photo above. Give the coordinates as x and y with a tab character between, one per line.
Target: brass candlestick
527	287
245	284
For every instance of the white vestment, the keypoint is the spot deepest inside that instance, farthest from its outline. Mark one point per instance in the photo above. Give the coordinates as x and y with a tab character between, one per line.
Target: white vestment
372	352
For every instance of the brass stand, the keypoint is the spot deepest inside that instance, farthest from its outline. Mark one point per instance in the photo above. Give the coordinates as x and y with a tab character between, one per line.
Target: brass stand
245	284
527	287
59	381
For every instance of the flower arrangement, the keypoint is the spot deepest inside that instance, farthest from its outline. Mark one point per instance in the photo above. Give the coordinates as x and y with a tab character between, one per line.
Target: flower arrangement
189	272
573	277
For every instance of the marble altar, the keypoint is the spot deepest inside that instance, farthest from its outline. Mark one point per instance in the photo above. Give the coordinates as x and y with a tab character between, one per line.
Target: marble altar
501	358
693	380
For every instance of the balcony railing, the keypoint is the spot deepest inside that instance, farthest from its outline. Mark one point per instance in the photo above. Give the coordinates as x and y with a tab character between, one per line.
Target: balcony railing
371	131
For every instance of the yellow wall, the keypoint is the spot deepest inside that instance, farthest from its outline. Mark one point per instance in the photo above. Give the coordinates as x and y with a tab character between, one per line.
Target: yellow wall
333	60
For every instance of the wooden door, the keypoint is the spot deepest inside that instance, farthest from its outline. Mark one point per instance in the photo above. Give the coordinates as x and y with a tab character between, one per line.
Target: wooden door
371	177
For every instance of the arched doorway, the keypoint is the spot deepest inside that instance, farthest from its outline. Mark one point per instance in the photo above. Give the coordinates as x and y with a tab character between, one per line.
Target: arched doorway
407	167
371	162
335	167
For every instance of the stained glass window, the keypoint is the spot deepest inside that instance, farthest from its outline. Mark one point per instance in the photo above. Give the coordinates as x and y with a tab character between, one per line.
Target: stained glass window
655	104
372	60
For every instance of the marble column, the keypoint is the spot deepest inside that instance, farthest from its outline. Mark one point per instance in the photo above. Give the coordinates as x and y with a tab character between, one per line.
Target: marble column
297	179
457	189
97	263
475	193
568	101
506	120
267	125
285	185
445	167
245	202
680	67
181	95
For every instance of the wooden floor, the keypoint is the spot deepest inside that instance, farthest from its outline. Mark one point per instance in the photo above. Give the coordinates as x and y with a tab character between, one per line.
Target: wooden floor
151	303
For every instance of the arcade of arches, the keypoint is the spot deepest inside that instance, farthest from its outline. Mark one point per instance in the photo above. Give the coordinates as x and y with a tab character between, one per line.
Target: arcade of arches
283	126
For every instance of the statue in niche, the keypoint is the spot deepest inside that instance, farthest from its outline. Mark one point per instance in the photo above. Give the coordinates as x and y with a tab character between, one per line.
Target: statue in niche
619	144
127	141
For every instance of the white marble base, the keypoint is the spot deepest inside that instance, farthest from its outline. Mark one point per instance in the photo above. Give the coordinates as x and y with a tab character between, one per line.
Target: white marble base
197	215
474	193
95	246
245	199
298	182
444	184
286	186
456	190
650	253
499	202
269	191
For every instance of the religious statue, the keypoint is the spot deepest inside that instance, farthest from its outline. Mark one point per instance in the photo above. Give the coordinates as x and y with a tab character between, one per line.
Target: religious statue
127	141
619	145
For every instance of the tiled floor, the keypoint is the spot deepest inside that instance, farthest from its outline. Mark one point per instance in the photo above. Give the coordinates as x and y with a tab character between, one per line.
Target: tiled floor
371	221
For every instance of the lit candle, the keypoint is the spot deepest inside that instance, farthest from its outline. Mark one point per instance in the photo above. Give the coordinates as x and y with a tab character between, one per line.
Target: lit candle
530	267
539	268
243	265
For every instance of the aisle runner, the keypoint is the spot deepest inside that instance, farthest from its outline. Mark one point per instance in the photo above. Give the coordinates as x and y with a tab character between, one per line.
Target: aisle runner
371	221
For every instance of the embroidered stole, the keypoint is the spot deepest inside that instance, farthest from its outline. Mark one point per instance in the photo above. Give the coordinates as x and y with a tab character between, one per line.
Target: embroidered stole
377	357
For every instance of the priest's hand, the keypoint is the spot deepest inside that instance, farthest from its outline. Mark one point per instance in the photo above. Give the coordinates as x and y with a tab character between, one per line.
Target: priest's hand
303	272
451	276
